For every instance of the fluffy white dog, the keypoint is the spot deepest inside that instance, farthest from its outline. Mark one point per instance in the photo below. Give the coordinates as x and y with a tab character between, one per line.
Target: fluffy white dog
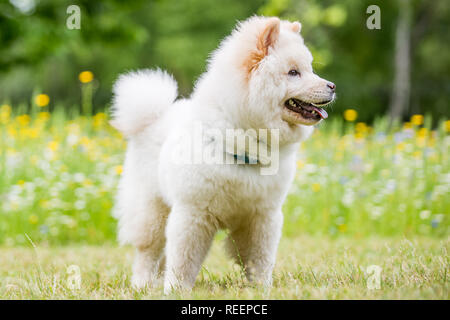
260	77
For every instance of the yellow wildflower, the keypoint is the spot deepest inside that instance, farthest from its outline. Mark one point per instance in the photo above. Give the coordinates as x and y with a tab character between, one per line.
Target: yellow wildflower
316	187
100	115
33	219
23	120
447	126
342	144
5	112
361	127
52	145
350	115
12	131
119	169
417	154
86	76
421	141
43	116
5	108
42	100
99	119
43	203
423	132
342	227
300	164
401	146
32	133
417	119
85	141
407	125
432	139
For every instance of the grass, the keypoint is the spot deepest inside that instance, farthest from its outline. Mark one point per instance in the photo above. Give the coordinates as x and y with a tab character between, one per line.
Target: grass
359	192
307	268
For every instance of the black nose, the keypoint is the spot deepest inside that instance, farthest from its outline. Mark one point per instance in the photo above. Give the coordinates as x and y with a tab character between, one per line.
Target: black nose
332	86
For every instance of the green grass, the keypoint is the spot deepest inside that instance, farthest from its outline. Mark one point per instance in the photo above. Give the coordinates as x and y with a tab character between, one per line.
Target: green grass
358	193
307	268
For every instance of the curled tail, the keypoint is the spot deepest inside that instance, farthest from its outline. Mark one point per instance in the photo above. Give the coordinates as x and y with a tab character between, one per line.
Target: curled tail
140	98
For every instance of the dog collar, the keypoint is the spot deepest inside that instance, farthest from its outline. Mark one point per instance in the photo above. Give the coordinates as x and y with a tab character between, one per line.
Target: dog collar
247	154
245	158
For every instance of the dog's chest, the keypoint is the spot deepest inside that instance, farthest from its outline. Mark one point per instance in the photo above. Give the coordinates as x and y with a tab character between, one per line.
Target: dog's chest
245	192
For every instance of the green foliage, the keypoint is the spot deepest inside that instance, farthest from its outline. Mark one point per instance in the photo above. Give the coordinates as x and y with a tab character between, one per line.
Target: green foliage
38	51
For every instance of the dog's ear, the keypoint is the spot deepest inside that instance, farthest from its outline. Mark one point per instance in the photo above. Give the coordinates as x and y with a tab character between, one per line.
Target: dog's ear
296	26
269	36
265	40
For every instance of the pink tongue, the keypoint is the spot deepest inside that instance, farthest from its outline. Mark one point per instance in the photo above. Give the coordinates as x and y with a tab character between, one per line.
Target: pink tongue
323	114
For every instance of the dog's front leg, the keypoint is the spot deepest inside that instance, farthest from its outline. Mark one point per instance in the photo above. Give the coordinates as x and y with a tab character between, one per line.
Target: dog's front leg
189	235
255	246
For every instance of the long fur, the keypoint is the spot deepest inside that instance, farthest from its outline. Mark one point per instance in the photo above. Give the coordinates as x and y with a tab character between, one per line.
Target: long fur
171	210
140	98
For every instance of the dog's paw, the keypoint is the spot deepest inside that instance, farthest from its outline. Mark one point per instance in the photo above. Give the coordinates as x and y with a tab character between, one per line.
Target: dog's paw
144	281
173	284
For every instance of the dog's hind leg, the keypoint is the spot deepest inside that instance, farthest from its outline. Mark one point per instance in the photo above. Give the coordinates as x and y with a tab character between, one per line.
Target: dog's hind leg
189	235
146	232
254	246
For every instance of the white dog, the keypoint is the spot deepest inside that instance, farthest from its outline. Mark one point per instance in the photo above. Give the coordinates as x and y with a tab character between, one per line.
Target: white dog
260	77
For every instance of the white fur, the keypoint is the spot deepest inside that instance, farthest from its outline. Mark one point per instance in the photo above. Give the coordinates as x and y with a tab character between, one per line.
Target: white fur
141	98
170	211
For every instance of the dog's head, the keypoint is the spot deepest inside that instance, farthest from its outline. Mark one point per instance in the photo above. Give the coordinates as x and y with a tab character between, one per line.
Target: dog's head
279	74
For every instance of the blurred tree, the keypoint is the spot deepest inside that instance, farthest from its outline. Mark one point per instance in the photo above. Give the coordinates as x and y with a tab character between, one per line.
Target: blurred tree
362	62
39	53
402	85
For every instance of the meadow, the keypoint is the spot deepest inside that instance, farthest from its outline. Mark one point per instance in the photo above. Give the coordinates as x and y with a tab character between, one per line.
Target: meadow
307	268
370	202
363	195
58	177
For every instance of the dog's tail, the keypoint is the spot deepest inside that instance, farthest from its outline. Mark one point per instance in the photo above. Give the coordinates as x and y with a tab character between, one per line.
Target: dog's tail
140	98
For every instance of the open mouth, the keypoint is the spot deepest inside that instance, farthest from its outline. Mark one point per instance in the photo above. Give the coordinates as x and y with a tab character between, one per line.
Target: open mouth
307	110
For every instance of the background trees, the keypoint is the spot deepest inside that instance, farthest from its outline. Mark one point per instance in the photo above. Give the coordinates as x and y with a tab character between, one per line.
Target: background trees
39	54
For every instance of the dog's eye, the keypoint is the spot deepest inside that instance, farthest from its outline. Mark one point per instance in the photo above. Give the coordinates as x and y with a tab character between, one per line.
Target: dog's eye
293	72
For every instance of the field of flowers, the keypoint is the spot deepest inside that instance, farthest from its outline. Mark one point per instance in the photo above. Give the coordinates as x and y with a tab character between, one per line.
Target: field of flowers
59	172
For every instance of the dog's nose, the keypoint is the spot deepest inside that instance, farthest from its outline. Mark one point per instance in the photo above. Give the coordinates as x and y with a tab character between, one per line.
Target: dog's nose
332	86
